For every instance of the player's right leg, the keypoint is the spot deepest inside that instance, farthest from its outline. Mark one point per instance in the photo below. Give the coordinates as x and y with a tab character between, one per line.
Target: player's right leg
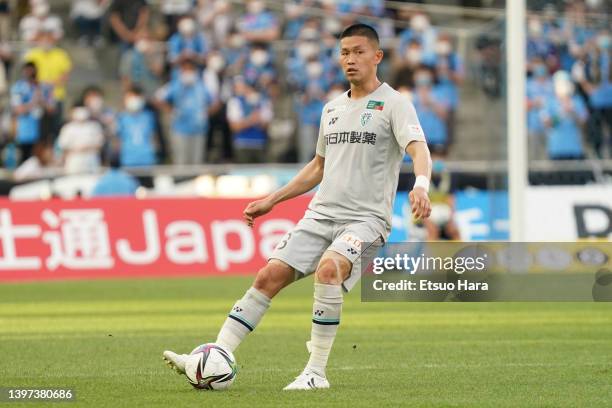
246	312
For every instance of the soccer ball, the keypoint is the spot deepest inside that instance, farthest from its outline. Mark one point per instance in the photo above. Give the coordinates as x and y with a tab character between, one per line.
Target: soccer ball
211	367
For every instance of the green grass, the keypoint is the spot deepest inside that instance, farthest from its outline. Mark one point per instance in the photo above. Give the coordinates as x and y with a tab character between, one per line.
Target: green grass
105	338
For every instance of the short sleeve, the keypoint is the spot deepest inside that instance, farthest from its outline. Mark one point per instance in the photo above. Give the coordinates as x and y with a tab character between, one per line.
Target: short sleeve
321	139
234	111
405	123
164	93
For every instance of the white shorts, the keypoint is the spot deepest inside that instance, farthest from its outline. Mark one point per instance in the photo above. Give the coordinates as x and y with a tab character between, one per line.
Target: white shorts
303	247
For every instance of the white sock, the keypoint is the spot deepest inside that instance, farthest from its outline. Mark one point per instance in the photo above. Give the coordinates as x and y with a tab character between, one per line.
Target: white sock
243	318
326	312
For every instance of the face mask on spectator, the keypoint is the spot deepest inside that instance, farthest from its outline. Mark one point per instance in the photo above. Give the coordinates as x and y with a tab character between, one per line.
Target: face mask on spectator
563	84
189	77
256	7
535	28
187	27
422	81
80	114
216	63
236	41
332	25
419	23
413	55
259	57
307	50
603	42
309	33
134	103
293	10
314	69
40	10
540	70
143	46
564	88
253	98
95	104
443	48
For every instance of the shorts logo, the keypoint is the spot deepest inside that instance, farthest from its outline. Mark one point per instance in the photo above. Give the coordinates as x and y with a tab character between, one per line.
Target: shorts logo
353	241
332	121
365	118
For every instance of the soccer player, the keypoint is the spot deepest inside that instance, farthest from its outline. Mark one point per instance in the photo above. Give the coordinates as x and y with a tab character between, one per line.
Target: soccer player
363	136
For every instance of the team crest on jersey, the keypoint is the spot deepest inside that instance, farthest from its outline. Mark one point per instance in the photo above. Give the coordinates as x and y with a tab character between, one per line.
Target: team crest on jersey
365	118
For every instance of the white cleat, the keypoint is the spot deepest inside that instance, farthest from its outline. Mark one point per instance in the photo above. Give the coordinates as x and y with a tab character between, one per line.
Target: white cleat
308	380
175	361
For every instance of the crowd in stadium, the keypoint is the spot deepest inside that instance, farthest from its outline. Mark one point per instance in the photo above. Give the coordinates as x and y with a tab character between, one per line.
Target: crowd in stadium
211	68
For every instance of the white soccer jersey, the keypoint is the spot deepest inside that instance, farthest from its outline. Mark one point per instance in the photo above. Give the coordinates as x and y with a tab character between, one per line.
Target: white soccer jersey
363	142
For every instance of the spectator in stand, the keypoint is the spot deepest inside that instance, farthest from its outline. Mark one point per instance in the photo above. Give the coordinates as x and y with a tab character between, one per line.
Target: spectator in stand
296	18
249	113
259	69
142	65
136	131
449	72
189	101
562	117
595	79
216	19
81	140
539	89
309	107
127	18
173	10
40	18
259	25
188	43
93	99
235	53
115	182
432	111
53	65
87	17
219	87
30	100
538	43
421	32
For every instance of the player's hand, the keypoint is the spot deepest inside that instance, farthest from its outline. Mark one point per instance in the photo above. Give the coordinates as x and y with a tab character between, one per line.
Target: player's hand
419	202
256	209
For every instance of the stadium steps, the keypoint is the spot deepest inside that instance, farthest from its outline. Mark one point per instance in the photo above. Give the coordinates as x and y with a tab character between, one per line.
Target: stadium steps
479	135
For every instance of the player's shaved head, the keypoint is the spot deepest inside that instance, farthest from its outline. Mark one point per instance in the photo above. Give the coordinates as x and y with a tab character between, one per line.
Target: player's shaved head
362	30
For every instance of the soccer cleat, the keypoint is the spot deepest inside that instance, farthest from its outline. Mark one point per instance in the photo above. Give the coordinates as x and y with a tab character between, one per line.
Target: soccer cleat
176	361
308	380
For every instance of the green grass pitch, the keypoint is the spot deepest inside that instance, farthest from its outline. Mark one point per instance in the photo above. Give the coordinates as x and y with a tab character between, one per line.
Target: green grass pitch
105	338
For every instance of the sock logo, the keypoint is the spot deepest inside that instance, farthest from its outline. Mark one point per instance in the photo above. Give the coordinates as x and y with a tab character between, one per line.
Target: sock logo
318	312
237	309
351	251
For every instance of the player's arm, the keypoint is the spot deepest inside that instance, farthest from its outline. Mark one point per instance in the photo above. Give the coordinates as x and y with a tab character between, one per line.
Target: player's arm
421	159
308	178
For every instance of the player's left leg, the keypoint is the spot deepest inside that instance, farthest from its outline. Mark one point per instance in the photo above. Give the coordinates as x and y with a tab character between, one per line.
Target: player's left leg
333	269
